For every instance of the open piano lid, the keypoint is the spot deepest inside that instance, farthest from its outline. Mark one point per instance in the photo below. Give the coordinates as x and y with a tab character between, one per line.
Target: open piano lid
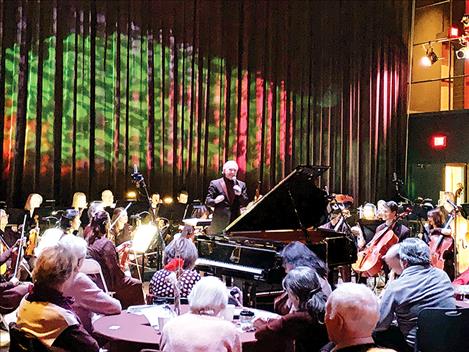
276	209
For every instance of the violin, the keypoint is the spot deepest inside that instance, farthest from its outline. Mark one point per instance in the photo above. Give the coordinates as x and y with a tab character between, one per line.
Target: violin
123	252
369	261
32	238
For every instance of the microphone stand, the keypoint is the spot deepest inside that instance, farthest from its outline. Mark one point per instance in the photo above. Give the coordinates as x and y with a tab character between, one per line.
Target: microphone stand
139	181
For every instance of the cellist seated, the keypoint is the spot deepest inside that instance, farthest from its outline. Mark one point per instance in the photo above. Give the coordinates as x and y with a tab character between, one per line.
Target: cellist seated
11	290
369	261
390	219
439	240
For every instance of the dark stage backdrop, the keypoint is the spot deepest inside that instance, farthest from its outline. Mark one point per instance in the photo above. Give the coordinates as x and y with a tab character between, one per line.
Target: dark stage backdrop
90	88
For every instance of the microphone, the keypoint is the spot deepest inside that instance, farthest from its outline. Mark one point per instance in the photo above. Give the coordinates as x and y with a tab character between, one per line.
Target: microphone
394	177
234	180
135	169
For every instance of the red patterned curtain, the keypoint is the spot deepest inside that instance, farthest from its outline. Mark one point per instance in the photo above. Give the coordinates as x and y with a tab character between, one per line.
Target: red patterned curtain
90	88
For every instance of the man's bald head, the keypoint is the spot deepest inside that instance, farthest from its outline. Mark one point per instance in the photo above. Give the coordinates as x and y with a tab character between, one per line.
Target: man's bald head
352	312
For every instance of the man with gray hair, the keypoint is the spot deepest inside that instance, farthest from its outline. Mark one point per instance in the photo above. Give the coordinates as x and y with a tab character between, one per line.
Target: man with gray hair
351	314
419	286
226	195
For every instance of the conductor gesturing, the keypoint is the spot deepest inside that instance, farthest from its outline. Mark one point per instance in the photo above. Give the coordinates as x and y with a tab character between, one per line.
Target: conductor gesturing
226	195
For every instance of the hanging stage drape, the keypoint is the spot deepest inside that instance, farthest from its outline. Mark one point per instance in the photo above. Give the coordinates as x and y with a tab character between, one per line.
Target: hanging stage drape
88	89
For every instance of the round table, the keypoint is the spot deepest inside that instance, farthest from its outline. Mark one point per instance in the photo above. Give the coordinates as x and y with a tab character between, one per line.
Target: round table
131	332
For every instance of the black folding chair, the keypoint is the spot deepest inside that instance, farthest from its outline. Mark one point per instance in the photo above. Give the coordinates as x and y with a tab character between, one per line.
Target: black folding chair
442	330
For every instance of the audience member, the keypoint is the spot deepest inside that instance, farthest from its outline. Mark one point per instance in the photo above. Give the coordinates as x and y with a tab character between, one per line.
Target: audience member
393	262
201	329
297	254
89	298
419	286
181	248
304	326
352	312
45	312
127	290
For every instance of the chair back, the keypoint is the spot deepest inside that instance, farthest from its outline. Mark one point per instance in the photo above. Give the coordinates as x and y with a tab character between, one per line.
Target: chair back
442	330
92	267
3	321
21	341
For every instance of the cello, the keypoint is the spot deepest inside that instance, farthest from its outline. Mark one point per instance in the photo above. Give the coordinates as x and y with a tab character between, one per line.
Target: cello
440	243
369	261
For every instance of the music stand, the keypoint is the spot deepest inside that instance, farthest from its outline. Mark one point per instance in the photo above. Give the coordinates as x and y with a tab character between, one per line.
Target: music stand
143	237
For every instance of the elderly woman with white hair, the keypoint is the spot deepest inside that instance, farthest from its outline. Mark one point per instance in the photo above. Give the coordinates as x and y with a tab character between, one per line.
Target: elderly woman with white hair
89	298
184	250
202	329
45	312
304	326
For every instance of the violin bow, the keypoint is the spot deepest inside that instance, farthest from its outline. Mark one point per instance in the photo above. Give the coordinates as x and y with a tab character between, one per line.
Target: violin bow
20	249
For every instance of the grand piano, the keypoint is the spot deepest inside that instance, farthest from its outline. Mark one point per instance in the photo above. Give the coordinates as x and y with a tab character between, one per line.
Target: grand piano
249	248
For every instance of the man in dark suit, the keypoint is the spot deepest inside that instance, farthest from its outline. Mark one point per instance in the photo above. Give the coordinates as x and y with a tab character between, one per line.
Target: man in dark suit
226	195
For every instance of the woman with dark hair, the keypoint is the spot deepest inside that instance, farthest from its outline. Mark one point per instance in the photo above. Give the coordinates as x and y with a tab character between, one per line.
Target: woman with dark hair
438	237
304	326
121	230
70	221
127	290
297	254
179	249
435	222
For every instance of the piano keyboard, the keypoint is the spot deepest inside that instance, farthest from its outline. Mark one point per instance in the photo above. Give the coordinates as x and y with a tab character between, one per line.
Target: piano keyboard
208	262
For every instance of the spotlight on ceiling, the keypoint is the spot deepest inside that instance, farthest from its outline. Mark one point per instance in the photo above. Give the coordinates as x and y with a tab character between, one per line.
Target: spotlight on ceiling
430	58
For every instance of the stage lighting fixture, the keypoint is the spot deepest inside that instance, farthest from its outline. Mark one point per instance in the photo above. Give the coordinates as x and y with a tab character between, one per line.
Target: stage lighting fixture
167	200
463	53
430	58
131	195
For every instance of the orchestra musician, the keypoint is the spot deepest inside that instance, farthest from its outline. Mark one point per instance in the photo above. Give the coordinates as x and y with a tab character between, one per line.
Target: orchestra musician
440	241
121	229
336	222
226	195
389	216
33	202
155	201
7	235
11	290
94	207
127	290
107	199
80	203
70	221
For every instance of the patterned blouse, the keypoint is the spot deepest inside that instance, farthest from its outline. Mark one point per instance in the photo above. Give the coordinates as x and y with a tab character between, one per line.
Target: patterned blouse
160	288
